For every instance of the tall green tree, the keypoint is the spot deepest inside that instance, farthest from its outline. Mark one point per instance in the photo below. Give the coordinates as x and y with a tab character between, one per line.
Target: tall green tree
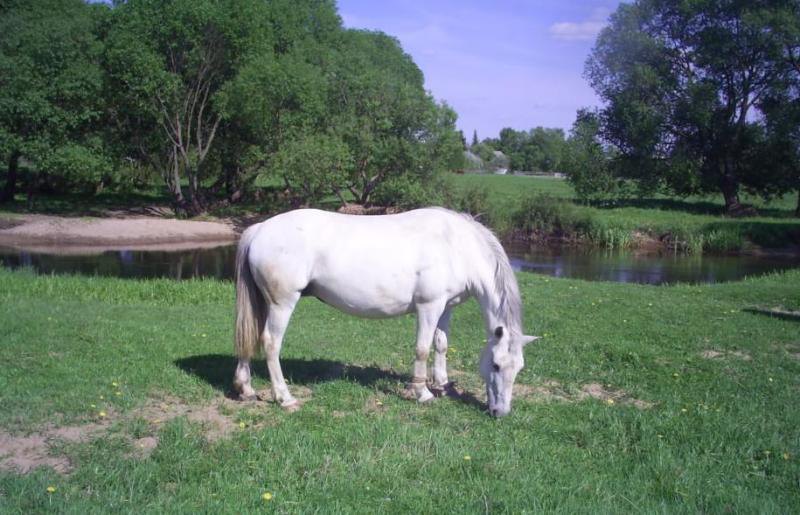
682	82
168	61
781	105
50	92
586	160
538	149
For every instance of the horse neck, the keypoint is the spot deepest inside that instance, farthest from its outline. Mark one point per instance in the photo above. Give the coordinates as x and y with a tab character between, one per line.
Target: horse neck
491	307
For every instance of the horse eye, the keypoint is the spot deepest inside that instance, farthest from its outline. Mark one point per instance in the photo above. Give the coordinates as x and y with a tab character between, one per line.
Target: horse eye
496	367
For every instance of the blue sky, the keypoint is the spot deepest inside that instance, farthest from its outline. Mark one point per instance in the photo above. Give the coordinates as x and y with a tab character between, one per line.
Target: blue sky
506	63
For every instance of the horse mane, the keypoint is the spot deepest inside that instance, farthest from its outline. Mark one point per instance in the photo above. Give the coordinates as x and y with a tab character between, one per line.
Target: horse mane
505	282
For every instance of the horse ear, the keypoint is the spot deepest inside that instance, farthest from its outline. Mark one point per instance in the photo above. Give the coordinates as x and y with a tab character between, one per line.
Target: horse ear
525	339
499	331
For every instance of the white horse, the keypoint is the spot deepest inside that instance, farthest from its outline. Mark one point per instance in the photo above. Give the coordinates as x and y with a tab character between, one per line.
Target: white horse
424	261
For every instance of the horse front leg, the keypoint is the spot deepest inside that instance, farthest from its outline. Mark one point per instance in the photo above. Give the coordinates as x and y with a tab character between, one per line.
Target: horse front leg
427	317
440	380
272	340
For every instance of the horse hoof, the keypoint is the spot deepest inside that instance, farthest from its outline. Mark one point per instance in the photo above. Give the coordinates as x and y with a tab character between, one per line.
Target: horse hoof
426	396
249	397
290	406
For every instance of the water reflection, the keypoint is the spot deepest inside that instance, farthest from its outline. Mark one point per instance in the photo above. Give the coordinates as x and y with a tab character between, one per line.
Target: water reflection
216	262
591	264
627	267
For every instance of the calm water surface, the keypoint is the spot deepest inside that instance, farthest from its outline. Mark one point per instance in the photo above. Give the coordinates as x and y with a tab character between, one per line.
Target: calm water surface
591	264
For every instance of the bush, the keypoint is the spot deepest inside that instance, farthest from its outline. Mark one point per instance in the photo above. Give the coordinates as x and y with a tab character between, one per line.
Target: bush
407	192
545	215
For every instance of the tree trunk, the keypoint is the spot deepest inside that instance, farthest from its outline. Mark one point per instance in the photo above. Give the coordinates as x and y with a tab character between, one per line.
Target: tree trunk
196	201
797	209
7	195
729	186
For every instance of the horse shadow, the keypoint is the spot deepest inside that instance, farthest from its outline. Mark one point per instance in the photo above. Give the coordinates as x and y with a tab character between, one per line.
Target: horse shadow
793	316
217	370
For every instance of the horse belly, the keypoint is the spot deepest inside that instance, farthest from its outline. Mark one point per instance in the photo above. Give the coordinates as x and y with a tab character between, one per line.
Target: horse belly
374	300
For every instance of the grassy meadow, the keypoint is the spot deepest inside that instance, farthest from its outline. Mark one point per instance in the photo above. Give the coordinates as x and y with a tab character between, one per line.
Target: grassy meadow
692	224
637	399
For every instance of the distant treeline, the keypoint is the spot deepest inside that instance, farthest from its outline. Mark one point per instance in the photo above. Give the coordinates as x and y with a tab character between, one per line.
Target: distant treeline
210	94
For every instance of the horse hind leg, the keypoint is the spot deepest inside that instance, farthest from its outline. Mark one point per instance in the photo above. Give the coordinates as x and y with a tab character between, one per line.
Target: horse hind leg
272	340
241	381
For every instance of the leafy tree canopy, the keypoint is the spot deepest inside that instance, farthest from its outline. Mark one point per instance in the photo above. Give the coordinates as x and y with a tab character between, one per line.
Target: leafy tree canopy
684	85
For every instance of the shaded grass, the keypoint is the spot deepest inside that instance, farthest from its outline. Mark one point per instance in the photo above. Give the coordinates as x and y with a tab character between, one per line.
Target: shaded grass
714	440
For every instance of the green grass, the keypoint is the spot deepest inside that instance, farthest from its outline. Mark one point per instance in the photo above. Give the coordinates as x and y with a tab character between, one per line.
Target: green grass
694	224
713	441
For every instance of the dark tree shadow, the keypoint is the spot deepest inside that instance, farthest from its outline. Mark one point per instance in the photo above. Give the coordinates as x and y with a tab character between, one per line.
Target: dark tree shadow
697	207
700	207
217	370
793	316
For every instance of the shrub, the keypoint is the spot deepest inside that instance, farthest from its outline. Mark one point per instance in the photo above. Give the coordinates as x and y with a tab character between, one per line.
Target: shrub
546	215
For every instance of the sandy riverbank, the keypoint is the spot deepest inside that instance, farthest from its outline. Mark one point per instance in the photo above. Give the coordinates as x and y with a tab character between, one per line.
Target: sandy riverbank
130	232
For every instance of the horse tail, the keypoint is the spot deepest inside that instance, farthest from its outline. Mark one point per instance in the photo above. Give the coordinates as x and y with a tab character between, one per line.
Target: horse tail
250	304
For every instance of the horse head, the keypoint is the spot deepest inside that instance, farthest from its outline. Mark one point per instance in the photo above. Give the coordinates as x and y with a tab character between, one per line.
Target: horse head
501	361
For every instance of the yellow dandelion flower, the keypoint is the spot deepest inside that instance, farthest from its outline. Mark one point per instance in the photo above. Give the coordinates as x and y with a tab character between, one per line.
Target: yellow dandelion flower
266	496
467	457
242	425
378	403
102	414
118	393
786	455
770	379
684	410
101	397
51	489
203	335
609	401
675	374
92	406
114	384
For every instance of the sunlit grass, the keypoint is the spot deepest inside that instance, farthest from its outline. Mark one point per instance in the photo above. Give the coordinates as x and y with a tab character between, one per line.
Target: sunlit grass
722	434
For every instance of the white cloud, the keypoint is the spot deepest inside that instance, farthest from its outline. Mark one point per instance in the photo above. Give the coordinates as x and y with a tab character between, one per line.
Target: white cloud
585	30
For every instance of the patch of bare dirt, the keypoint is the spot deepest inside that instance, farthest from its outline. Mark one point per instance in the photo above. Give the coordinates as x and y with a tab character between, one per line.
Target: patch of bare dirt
611	396
144	447
24	453
358	209
715	354
374	404
41	230
545	392
8	223
553	391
